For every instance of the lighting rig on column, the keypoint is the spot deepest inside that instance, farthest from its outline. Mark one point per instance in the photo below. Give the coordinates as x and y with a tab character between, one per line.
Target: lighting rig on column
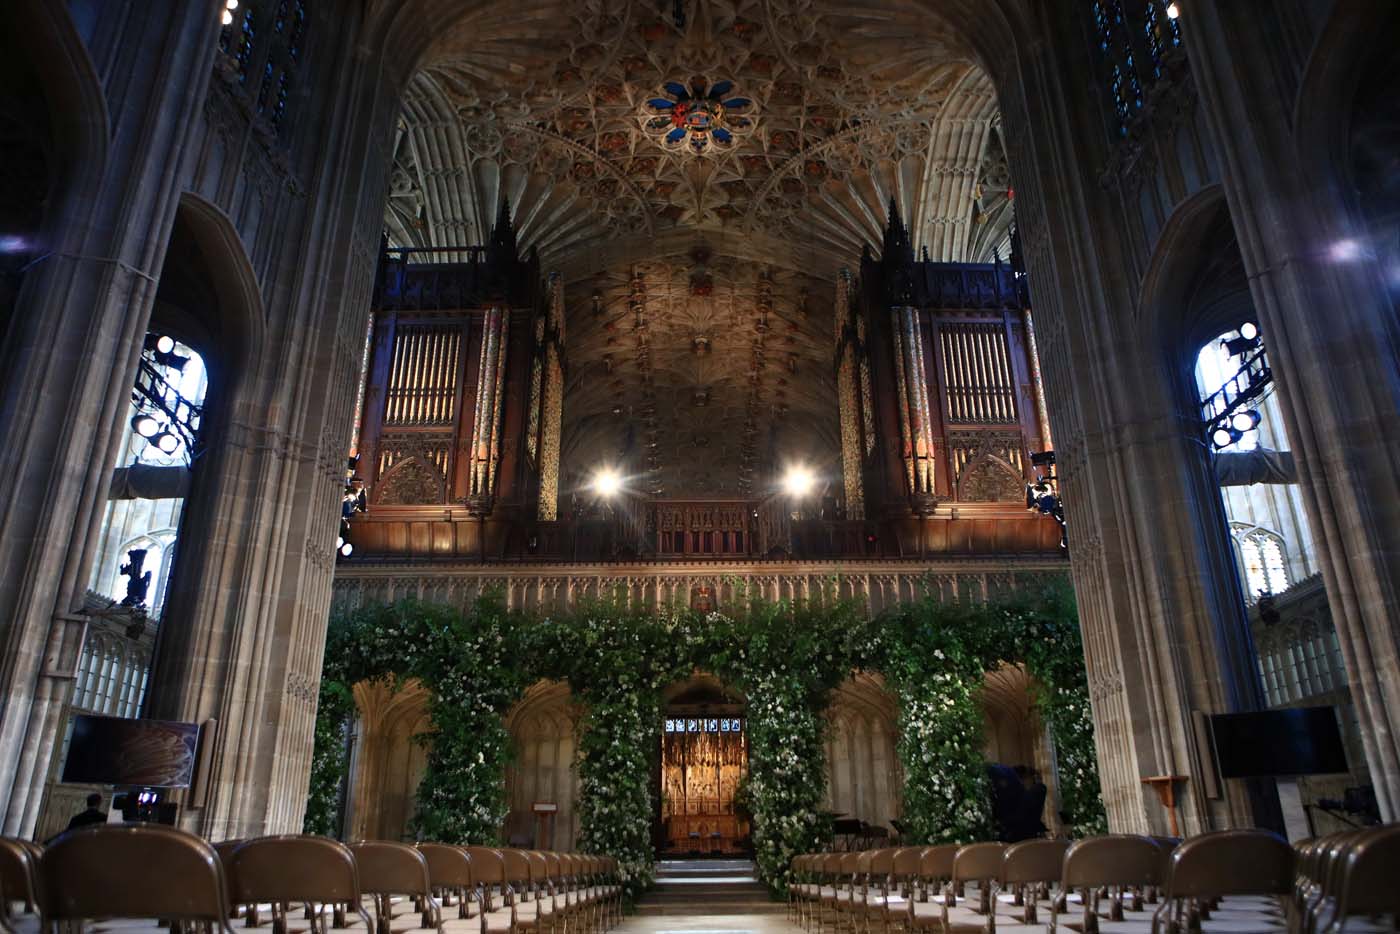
1043	496
1231	410
354	500
164	418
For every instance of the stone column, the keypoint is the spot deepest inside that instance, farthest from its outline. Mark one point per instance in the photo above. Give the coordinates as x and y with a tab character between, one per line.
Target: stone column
1326	319
552	402
79	323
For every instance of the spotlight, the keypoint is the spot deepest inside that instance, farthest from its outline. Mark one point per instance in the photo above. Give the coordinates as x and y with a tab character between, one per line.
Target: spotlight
339	543
165	343
798	481
1240	346
1249	330
1224	436
1248	420
1173	11
232	4
226	18
167	442
606	482
346	549
145	426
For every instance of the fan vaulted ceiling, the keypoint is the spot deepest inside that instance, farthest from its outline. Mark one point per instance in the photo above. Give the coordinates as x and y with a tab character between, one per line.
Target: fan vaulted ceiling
698	172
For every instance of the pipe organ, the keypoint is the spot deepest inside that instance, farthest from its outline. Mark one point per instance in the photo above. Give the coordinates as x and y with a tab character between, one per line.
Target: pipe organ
938	405
451	425
950	402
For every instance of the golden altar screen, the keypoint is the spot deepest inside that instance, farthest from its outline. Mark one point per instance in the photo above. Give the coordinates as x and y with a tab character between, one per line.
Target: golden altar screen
702	761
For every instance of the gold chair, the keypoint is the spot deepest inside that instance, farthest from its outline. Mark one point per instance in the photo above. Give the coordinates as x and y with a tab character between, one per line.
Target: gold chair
316	872
1113	861
1369	877
388	869
934	883
87	874
979	863
1222	864
450	873
1028	865
489	870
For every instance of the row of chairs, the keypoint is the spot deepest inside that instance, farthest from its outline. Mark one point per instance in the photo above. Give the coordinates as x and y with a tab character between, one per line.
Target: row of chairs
165	876
1247	879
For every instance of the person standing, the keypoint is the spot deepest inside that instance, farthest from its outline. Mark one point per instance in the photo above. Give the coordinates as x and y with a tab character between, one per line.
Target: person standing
93	815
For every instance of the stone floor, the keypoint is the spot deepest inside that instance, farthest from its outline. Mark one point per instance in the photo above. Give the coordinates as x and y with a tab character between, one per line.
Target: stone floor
773	923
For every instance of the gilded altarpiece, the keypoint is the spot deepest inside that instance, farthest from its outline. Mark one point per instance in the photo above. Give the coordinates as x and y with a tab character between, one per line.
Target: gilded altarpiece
703	759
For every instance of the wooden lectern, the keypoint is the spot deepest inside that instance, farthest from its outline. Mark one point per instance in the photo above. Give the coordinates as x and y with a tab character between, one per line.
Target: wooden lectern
1165	786
544	824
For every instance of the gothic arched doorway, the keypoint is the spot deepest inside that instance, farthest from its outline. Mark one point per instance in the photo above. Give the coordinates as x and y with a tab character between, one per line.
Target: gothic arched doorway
704	759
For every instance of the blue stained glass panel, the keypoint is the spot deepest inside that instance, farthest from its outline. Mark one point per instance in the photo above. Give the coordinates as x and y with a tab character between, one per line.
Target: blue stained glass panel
676	135
660	103
724	136
721	88
679	91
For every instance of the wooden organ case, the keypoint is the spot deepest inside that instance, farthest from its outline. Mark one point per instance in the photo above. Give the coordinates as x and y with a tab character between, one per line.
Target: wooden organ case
941	402
449	430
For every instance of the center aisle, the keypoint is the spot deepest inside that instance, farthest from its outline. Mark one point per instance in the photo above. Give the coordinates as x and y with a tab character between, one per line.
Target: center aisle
710	888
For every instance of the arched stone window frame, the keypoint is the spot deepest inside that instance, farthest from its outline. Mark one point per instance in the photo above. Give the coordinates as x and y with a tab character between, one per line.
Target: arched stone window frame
1275	576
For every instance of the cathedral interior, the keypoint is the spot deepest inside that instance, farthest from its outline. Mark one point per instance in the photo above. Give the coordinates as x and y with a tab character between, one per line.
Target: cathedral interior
681	307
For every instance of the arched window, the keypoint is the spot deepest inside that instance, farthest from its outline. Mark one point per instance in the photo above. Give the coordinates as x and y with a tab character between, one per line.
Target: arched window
1264	561
161	442
267	45
1233	379
1134	40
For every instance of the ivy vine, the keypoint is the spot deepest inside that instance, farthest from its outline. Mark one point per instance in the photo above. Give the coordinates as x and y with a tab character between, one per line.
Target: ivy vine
786	658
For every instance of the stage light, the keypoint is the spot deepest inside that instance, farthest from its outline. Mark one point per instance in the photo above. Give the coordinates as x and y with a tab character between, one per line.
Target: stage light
1244	421
145	426
167	442
346	549
339	543
607	482
1249	330
165	343
1240	346
226	18
798	481
1224	436
1173	11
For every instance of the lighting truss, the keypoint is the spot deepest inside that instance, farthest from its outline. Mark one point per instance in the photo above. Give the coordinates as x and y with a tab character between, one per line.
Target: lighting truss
154	395
1243	390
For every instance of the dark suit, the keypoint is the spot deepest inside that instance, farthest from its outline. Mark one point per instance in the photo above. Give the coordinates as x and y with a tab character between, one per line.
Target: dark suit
90	816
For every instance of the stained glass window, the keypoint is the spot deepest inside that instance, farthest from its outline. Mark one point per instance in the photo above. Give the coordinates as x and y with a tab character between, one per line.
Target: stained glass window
298	30
1132	46
1265	564
279	109
265	87
245	45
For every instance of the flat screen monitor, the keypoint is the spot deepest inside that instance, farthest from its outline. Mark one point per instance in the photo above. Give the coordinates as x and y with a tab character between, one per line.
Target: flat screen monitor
119	751
1272	743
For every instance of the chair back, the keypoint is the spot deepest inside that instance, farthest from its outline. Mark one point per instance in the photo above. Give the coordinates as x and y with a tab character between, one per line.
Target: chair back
1113	859
18	868
936	862
904	863
1371	868
1231	862
488	865
86	873
1033	861
449	867
978	861
517	870
882	864
293	868
850	865
391	869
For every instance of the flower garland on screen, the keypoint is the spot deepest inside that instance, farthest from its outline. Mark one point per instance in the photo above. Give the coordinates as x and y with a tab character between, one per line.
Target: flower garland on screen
786	658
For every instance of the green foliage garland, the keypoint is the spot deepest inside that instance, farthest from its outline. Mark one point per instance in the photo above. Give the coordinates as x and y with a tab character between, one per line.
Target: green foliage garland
786	658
